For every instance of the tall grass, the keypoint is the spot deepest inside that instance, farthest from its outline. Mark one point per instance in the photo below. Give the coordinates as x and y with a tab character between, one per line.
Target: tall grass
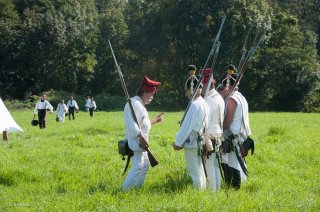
75	166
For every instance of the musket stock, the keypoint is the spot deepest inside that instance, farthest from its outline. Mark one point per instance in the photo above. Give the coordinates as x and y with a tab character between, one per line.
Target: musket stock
153	161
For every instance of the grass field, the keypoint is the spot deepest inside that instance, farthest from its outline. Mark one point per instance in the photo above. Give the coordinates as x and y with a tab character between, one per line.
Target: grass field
75	166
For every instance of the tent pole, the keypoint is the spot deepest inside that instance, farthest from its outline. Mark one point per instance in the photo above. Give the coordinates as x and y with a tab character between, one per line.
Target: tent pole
5	135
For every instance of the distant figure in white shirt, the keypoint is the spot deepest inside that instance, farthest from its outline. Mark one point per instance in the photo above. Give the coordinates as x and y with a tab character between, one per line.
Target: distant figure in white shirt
87	103
41	109
61	111
91	105
138	134
72	106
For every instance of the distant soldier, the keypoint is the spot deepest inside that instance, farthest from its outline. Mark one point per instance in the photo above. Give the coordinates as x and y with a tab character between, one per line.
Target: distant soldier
87	103
41	109
72	106
191	134
236	129
91	105
138	134
61	111
215	130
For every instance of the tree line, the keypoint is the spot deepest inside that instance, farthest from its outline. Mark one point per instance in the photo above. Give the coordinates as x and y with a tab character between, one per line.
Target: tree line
62	45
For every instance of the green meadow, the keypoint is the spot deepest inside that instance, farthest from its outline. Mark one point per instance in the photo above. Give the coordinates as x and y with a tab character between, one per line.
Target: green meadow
75	166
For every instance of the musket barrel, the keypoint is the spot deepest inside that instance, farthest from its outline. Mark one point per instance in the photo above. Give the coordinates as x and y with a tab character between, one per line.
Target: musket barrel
247	59
212	52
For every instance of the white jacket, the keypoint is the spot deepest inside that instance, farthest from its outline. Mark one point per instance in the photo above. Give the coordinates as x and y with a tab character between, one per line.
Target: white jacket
216	106
240	123
196	120
61	109
132	129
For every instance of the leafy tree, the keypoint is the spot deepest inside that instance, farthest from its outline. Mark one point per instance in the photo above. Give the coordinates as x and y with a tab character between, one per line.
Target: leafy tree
112	27
286	70
9	23
174	34
56	45
62	45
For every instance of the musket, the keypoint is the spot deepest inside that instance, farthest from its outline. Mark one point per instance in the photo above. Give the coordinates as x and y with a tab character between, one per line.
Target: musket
246	61
152	159
244	49
219	164
214	50
212	68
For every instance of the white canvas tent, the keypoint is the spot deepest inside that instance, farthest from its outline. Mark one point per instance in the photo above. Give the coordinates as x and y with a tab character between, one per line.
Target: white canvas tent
7	123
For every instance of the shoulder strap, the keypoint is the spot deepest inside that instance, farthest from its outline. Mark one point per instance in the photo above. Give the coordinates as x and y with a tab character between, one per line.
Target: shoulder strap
203	121
242	126
127	163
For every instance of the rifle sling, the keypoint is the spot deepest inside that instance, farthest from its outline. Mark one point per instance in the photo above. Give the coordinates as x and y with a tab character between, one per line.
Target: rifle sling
204	166
219	164
127	163
243	167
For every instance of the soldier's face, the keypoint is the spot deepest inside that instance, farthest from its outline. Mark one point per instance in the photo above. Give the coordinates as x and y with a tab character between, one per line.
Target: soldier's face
147	98
224	92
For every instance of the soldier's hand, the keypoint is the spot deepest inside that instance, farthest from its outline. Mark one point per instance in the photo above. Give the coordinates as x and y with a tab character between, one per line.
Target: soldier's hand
177	148
158	118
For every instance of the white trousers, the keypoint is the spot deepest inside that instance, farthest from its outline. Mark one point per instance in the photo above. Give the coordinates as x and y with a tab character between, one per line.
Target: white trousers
61	117
139	169
213	172
195	168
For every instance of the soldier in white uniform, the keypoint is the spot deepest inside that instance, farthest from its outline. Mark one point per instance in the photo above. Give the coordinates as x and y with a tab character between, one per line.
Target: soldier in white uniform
214	132
41	109
87	103
61	111
192	131
72	106
91	105
236	128
138	135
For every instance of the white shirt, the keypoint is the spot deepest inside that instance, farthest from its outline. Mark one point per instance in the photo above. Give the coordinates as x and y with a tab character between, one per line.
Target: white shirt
91	104
195	121
61	109
72	103
131	128
216	114
87	101
42	105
